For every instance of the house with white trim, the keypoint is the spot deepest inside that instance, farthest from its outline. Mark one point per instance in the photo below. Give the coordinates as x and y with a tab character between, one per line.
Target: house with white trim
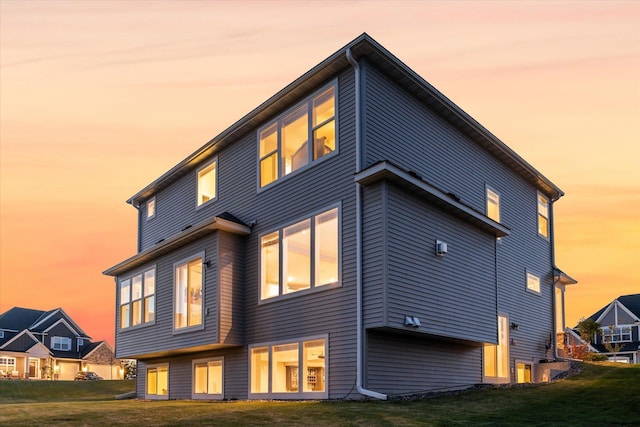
356	235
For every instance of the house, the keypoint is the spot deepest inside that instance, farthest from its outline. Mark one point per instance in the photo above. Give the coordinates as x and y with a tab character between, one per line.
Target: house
619	330
36	344
356	235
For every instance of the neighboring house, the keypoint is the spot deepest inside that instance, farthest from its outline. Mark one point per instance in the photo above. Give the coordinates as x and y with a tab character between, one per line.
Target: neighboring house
36	344
355	235
619	327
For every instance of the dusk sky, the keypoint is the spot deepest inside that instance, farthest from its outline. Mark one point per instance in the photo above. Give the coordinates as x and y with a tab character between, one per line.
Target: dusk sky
99	98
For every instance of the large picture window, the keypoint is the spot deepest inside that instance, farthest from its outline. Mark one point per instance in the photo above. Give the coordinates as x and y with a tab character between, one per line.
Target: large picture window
301	256
207	378
284	145
188	293
158	382
137	299
295	370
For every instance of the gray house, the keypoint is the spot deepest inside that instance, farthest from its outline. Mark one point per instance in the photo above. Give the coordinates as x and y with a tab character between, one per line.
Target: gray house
356	235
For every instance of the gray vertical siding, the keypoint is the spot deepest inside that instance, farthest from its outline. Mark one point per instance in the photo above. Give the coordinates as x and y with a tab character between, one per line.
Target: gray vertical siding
231	279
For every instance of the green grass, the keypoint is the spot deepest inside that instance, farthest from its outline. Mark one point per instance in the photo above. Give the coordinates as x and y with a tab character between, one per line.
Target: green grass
604	394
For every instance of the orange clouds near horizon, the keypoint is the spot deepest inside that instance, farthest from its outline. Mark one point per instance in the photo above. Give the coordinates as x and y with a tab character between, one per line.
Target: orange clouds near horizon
98	99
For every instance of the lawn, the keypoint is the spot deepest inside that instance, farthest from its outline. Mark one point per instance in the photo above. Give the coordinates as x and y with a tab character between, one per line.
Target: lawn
603	394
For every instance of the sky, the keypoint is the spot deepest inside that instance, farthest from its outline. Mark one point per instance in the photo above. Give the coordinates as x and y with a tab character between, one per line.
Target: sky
99	98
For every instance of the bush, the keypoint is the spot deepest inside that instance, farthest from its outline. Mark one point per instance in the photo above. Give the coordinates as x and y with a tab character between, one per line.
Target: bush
595	357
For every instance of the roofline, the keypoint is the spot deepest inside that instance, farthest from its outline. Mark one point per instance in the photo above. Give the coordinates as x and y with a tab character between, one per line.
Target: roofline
362	46
180	239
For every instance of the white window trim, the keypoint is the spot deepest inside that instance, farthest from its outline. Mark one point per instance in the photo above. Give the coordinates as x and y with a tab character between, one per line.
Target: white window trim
278	118
205	166
60	340
547	237
299	395
1	334
155	208
488	190
313	288
206	396
130	277
607	332
529	273
186	260
146	382
500	380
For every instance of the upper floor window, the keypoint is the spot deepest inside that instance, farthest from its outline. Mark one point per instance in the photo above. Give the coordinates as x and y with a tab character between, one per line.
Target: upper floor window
1	334
61	343
207	181
616	334
137	299
151	208
543	216
493	205
533	283
301	256
298	138
188	293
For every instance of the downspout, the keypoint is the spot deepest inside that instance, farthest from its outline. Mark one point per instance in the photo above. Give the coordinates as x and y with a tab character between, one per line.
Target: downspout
359	322
554	337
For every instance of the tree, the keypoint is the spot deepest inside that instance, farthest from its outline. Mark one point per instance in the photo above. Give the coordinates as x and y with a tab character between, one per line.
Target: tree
588	328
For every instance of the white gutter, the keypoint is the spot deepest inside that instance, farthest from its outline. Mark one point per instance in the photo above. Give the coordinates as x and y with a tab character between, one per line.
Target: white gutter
359	323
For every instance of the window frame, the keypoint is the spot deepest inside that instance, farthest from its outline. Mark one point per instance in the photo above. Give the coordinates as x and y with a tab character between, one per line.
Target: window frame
60	340
150	203
207	396
156	396
546	216
623	330
311	128
502	319
4	362
143	298
301	393
213	162
183	261
536	277
489	191
312	256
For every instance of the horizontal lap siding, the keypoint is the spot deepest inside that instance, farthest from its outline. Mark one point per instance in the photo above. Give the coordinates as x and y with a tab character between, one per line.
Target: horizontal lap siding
160	336
373	256
400	364
453	295
231	271
326	311
418	139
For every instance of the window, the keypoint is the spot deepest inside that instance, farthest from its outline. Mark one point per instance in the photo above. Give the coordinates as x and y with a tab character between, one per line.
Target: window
158	382
207	183
301	256
137	299
616	334
188	293
61	343
1	334
207	378
493	205
543	216
151	208
524	372
533	283
289	370
284	144
8	364
496	357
